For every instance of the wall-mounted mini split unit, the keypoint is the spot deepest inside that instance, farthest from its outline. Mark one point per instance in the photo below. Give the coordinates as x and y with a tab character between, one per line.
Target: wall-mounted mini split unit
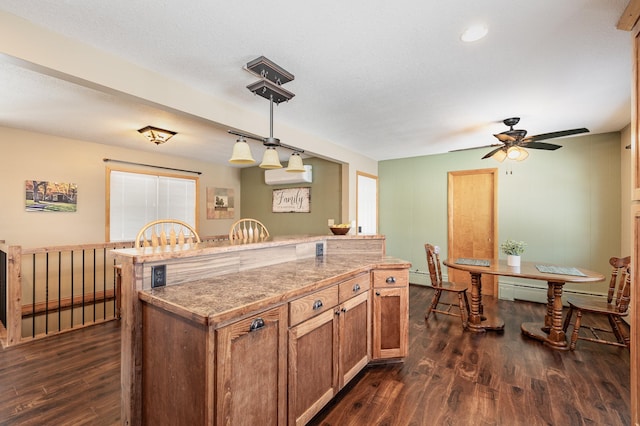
282	176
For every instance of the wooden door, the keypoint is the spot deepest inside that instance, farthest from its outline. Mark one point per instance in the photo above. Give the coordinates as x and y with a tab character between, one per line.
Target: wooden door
390	314
472	221
313	374
252	370
355	337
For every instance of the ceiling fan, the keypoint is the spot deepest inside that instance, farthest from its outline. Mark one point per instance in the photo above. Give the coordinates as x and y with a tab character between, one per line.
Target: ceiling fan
513	141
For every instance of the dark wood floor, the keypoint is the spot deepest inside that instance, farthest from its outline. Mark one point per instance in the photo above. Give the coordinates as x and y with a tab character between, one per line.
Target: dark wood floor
450	378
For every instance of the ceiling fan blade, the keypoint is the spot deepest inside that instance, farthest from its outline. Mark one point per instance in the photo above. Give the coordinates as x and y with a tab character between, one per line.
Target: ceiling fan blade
477	147
490	154
541	145
553	135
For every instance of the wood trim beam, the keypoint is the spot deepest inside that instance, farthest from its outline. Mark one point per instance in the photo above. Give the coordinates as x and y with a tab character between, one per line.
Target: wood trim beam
630	16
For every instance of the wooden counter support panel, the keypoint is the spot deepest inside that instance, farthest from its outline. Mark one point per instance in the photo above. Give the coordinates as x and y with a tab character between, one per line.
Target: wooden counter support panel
173	369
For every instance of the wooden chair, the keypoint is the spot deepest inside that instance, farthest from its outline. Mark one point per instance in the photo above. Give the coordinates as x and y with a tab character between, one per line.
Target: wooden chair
166	232
614	308
435	272
248	231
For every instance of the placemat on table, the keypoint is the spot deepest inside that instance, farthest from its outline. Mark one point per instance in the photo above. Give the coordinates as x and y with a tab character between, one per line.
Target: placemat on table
562	270
474	262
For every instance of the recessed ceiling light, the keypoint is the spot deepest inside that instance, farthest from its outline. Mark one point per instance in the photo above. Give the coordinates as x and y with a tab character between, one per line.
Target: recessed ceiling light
474	33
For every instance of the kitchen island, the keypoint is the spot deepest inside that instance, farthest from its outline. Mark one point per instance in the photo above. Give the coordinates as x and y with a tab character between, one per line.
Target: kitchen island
266	332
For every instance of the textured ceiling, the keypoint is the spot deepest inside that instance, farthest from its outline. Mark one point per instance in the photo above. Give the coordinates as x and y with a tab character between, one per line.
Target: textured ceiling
386	79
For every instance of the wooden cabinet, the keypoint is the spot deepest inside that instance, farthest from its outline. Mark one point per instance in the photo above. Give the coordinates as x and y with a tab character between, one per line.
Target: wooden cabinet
328	349
390	313
251	370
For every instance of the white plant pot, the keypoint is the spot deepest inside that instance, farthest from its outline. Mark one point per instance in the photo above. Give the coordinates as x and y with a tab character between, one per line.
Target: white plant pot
513	260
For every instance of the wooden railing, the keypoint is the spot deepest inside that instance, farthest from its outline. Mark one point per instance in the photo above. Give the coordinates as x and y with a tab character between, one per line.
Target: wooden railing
49	290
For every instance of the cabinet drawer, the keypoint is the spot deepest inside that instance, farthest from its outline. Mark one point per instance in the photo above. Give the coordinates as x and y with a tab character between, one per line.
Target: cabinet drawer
354	287
385	278
313	304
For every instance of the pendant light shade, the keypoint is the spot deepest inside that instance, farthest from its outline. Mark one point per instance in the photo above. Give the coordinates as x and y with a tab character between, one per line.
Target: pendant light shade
241	153
270	159
295	163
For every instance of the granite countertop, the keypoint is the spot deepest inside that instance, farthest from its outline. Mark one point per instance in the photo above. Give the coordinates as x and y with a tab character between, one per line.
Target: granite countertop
232	296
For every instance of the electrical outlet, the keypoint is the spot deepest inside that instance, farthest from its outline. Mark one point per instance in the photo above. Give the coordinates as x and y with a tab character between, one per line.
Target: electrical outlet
331	222
158	276
319	249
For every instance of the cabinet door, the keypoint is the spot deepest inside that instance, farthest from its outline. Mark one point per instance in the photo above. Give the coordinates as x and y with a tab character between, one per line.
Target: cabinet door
313	363
390	322
355	337
252	371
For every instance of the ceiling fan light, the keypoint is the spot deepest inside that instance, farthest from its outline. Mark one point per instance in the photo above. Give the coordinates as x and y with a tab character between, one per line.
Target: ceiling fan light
523	154
499	155
241	153
295	163
513	153
270	159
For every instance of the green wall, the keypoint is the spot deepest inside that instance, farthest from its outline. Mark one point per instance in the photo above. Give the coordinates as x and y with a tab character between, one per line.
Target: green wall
565	204
326	195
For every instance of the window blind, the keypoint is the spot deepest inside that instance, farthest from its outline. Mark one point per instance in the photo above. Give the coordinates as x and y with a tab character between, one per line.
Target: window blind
137	199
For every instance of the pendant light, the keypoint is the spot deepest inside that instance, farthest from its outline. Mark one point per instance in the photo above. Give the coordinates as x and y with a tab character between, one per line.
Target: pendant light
269	87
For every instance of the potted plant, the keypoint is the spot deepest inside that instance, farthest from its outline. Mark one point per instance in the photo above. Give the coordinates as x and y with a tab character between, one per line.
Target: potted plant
513	249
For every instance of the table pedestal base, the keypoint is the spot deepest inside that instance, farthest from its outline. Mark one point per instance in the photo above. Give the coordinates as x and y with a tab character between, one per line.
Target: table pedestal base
486	322
551	338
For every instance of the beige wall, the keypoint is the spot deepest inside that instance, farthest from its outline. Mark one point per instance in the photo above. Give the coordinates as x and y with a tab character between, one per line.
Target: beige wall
27	155
326	195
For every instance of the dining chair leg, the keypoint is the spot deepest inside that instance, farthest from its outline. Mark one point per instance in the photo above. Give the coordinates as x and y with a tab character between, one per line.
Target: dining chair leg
463	310
434	303
616	326
567	319
466	303
576	330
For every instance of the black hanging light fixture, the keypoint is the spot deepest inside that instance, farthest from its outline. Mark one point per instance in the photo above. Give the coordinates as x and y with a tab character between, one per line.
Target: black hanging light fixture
268	87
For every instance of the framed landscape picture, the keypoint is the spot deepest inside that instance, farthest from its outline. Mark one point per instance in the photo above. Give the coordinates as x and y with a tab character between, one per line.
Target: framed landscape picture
45	196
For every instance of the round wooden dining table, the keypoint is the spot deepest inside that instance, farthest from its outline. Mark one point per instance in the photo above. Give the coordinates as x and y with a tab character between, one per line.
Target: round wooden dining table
550	331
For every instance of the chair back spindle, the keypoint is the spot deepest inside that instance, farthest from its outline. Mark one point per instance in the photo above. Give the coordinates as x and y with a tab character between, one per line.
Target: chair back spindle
248	231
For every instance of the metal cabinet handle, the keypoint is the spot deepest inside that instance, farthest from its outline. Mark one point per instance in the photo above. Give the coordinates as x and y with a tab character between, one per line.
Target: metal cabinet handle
256	324
317	305
356	288
344	310
377	293
391	280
